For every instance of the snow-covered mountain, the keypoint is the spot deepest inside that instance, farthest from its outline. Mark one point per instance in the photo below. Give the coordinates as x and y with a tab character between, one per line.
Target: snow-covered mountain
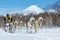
33	9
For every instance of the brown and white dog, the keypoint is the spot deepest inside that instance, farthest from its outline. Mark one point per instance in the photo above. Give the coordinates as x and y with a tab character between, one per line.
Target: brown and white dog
40	20
21	24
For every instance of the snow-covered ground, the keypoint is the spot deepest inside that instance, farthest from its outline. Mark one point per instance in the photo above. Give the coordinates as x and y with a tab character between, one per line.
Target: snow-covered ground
43	34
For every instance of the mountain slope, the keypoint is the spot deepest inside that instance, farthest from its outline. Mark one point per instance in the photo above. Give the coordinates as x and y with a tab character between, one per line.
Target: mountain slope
33	9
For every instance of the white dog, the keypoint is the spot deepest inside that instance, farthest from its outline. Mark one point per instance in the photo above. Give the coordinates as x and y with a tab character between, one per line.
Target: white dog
31	24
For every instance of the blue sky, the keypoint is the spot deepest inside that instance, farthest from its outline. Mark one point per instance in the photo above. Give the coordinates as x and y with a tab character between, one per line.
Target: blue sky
7	6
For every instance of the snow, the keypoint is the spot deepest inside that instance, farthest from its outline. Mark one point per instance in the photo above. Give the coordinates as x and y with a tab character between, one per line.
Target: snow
52	10
43	34
25	14
33	9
